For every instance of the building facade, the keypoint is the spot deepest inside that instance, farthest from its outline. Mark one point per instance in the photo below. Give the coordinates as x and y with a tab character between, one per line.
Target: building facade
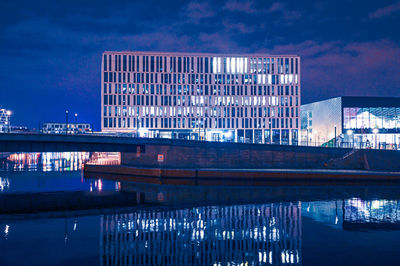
244	98
360	122
5	121
63	128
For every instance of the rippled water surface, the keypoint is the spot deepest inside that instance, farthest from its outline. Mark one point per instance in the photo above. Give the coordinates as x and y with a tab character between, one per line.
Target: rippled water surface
302	225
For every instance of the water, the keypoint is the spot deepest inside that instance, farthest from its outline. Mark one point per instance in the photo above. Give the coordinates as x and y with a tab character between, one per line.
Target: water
296	225
44	172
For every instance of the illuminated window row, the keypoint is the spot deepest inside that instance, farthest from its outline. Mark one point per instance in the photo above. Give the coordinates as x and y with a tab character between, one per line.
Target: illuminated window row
199	89
201	112
199	64
199	123
156	78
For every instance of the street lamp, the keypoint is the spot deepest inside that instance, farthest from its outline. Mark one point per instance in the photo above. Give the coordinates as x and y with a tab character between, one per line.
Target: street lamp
375	131
66	122
335	136
315	137
9	120
76	122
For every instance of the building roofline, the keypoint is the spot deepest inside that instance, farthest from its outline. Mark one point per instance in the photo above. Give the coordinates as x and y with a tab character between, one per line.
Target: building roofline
346	98
69	122
200	54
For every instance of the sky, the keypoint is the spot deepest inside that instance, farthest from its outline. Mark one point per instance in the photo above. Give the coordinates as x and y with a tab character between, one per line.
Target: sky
50	51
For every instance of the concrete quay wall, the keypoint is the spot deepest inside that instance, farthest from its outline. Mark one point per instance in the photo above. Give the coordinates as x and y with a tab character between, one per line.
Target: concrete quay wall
231	155
257	156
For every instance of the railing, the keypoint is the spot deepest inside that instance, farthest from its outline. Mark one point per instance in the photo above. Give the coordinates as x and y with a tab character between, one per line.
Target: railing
331	144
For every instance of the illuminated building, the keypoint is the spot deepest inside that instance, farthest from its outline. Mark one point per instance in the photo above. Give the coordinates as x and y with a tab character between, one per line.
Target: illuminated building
360	122
244	98
5	121
59	128
212	235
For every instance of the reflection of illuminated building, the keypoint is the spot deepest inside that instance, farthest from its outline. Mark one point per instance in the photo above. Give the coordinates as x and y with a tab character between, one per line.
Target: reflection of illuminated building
356	121
46	161
4	184
105	158
380	213
249	234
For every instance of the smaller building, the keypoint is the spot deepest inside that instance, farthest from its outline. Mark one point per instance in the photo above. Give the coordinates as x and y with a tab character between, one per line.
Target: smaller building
359	122
5	120
63	128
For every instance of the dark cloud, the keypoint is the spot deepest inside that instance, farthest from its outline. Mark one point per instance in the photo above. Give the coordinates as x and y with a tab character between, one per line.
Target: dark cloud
386	11
50	51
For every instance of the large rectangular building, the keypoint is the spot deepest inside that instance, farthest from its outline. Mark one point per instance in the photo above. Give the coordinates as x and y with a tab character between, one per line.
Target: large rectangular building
245	98
360	122
5	125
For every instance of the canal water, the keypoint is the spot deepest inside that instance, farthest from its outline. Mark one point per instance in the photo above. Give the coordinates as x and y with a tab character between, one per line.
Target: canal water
275	225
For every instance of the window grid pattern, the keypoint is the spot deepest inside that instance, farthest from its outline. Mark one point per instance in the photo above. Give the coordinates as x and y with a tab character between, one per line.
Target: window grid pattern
199	92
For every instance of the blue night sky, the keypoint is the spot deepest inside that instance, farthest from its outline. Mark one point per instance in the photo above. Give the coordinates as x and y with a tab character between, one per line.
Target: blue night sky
50	51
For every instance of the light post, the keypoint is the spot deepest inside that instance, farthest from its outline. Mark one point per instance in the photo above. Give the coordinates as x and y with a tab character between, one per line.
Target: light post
205	131
9	121
199	127
334	140
375	131
270	131
138	127
76	123
66	122
307	135
315	137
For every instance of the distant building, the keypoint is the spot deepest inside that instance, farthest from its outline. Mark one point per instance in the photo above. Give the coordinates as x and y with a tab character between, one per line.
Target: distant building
360	122
5	121
251	98
60	128
21	129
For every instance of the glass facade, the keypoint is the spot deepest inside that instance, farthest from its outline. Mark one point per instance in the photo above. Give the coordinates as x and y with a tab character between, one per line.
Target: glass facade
387	119
376	127
352	122
202	96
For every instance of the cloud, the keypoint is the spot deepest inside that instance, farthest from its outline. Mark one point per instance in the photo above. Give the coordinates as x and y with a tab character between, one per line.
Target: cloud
241	6
338	68
252	7
385	11
196	11
276	6
238	27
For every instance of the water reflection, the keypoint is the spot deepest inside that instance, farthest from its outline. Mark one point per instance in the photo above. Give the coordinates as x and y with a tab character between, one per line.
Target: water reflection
372	214
4	184
45	161
105	158
355	213
247	234
213	235
44	172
